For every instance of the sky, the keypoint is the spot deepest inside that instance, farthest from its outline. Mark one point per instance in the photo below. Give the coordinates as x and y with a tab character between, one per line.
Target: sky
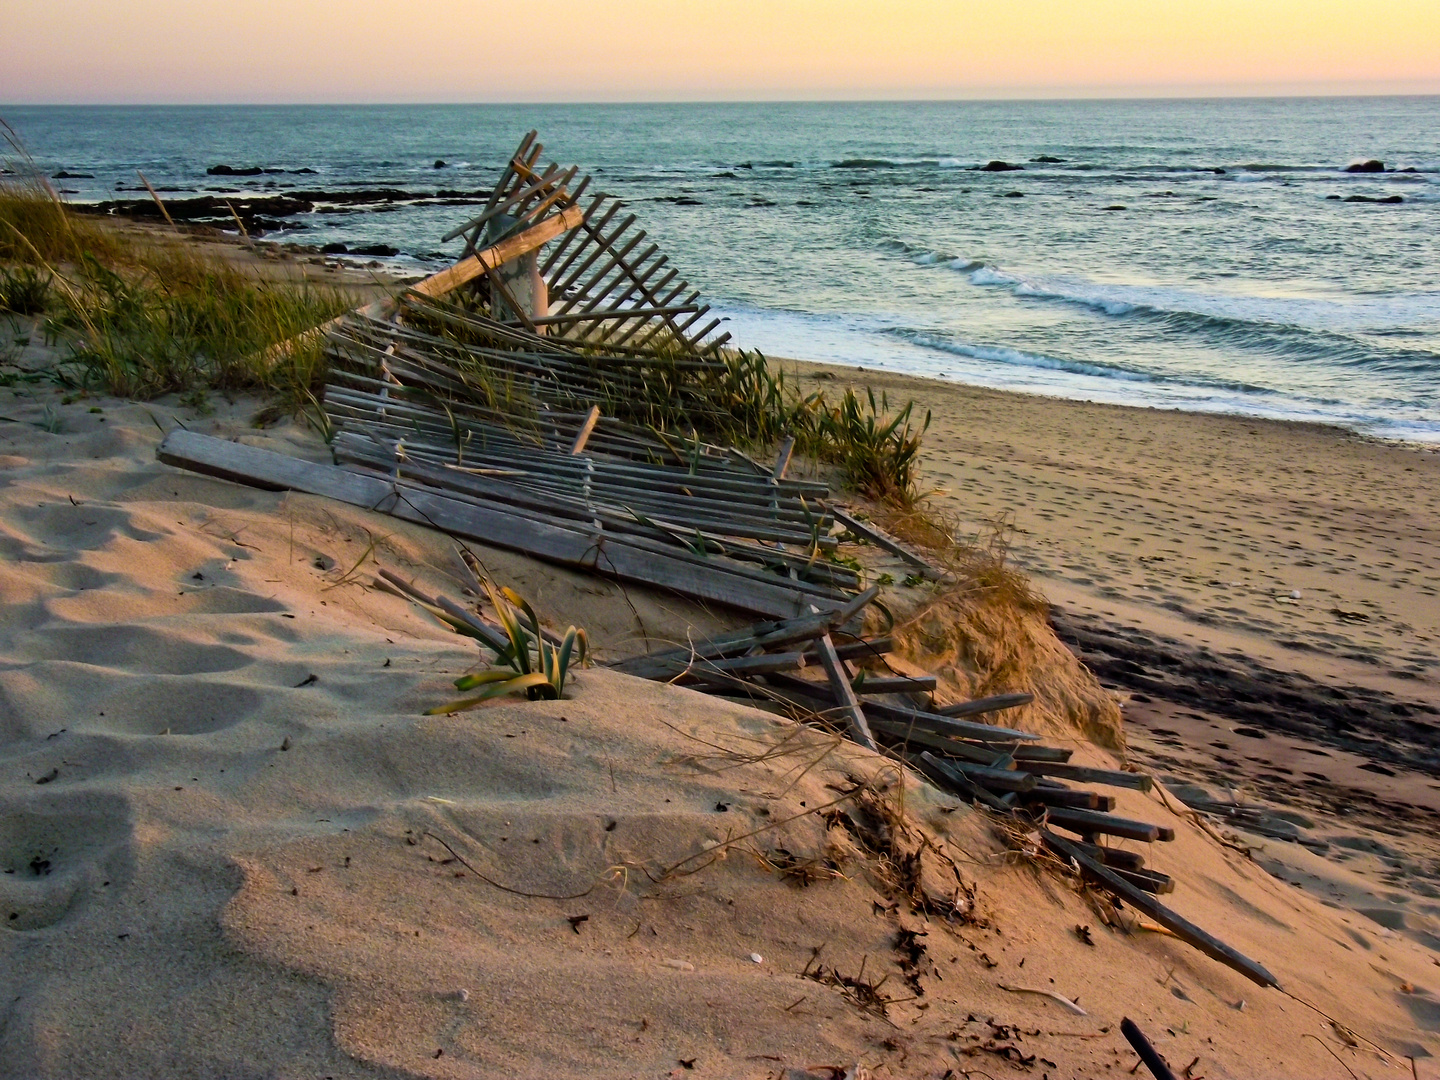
239	51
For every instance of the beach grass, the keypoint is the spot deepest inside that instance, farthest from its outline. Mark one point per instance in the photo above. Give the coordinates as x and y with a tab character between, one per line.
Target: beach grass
139	317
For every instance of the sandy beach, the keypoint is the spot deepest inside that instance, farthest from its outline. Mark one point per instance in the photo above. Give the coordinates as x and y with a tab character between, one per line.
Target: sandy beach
1262	596
225	841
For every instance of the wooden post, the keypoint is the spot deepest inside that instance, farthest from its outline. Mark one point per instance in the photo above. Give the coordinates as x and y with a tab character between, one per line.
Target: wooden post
585	429
840	684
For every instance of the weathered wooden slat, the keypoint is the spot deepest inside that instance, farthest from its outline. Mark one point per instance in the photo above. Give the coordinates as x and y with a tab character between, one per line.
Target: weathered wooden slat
583	435
950	779
619	314
982	705
1081	800
516	501
900	715
768	663
844	695
1084	775
1042	753
499	206
593	552
944	725
1152	881
896	684
994	780
763	636
506	175
1113	857
881	539
1145	903
583	235
1087	821
566	288
909	735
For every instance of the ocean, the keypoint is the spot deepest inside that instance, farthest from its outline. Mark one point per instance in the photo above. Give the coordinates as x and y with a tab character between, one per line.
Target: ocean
1205	255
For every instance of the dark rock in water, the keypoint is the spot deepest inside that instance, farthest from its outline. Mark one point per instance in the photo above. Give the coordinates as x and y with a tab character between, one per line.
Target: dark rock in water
384	250
439	163
63	175
1390	200
685	200
307	171
1366	166
1408	168
1000	166
1014	195
1336	198
230	170
1117	206
334	249
1218	172
1046	159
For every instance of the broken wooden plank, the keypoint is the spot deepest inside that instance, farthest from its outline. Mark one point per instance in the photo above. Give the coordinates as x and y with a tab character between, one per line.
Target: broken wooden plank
1141	1045
583	436
1143	902
895	684
881	539
910	735
950	779
844	695
985	704
769	663
1152	881
1084	775
1088	822
492	257
993	779
1113	857
763	636
1080	800
782	458
945	725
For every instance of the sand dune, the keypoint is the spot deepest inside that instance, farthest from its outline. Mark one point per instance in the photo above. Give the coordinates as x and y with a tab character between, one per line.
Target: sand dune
221	803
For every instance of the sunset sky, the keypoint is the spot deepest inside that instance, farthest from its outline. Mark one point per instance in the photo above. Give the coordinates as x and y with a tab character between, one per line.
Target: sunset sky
138	51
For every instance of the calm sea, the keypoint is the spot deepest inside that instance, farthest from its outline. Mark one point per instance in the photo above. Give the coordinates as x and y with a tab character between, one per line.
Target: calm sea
1200	255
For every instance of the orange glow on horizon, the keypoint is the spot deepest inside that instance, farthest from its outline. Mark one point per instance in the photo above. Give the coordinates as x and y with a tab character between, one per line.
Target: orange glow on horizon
125	51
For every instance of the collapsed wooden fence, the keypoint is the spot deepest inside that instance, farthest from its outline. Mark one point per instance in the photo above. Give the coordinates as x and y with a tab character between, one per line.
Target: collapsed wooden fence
540	405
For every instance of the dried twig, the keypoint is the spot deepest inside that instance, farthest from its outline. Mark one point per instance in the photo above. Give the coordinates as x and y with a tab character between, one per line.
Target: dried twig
1051	994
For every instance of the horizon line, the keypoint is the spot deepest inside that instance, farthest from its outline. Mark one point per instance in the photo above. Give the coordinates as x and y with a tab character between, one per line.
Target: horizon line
1236	92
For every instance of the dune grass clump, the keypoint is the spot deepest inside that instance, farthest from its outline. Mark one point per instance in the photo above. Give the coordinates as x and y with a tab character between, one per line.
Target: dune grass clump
140	317
876	448
178	321
23	290
878	451
535	665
